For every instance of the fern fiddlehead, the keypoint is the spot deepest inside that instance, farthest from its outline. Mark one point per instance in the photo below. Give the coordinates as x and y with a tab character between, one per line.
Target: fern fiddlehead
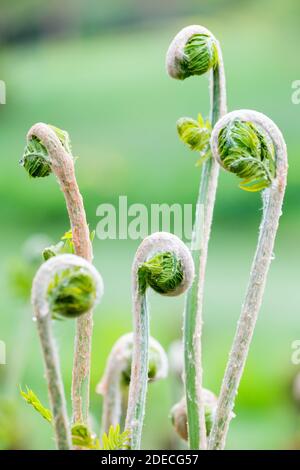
179	414
48	150
117	376
250	145
163	262
195	51
67	286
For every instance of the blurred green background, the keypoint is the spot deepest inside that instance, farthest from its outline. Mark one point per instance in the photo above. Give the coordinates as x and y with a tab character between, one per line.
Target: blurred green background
97	69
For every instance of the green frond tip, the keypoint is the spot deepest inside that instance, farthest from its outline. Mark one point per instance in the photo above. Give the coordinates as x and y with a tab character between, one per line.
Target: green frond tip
115	440
30	398
200	55
163	273
71	293
154	363
64	138
196	135
246	150
84	438
65	245
36	160
154	366
179	414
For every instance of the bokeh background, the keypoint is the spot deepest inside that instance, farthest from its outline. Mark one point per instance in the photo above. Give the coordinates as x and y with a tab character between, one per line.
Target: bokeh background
97	69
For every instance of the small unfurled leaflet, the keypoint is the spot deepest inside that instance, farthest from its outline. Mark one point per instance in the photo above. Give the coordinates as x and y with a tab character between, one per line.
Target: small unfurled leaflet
31	398
196	135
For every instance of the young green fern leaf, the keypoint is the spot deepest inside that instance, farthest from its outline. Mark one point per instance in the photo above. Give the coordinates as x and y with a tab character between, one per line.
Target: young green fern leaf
82	437
64	138
195	53
200	55
31	398
71	293
196	135
65	245
246	150
36	160
163	273
179	414
115	440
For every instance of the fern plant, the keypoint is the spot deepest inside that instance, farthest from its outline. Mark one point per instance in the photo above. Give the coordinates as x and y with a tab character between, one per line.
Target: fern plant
69	285
115	439
49	150
81	436
163	263
195	51
250	145
116	378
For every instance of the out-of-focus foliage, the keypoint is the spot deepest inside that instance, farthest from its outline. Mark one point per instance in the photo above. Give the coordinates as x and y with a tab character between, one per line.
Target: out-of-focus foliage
12	435
34	19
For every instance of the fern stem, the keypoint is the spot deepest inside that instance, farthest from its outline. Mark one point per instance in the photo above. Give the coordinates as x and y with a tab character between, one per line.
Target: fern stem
115	377
156	243
62	165
112	401
273	199
110	385
55	385
43	309
139	374
194	299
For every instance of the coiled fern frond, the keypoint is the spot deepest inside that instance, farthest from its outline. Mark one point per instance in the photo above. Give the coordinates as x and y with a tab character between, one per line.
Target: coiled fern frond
246	150
71	293
200	55
163	273
196	135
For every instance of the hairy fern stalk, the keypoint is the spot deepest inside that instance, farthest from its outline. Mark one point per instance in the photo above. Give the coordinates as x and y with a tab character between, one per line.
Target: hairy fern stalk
48	150
195	51
163	263
250	145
